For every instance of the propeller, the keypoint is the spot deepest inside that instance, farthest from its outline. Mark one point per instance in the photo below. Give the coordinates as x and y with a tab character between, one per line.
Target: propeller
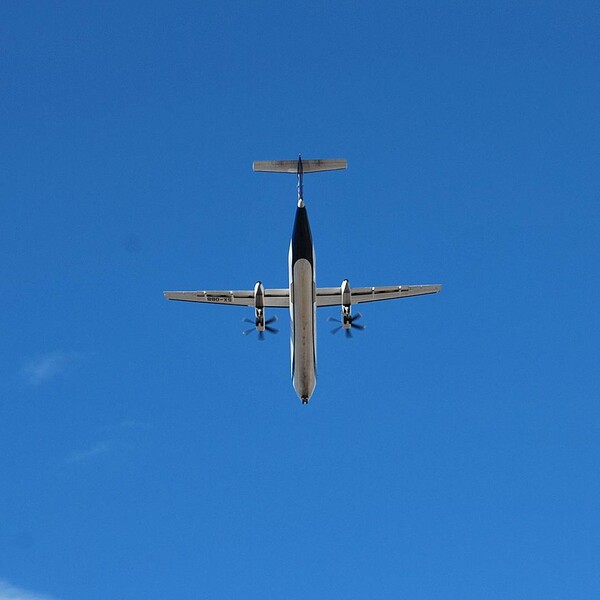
351	319
261	334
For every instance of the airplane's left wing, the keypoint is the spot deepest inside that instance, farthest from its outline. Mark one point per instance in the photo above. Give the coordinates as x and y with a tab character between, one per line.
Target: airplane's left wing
333	296
273	298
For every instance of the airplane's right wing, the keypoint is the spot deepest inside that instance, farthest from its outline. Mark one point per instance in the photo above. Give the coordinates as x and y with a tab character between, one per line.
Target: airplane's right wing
333	296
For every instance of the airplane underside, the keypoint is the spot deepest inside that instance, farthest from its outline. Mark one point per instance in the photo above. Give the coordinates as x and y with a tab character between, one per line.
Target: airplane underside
302	297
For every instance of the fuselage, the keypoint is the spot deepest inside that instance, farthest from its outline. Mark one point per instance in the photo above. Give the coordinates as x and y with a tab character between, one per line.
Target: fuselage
303	328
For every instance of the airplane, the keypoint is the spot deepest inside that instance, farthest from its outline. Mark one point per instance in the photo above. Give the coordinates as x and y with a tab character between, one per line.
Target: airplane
302	297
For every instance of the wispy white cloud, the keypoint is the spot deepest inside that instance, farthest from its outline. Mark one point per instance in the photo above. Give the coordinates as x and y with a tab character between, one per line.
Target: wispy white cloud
10	592
82	455
119	437
46	367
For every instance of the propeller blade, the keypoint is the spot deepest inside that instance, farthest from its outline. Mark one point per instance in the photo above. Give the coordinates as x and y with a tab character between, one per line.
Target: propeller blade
353	324
248	331
261	336
271	329
273	319
247	320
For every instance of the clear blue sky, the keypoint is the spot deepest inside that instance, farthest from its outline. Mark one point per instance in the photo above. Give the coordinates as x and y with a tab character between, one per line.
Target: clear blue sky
149	451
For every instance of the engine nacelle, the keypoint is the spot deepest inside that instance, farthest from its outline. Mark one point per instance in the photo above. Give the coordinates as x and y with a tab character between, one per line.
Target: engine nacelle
348	320
346	302
259	306
260	324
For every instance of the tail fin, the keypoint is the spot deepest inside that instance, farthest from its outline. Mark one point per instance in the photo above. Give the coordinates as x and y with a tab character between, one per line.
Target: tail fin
296	167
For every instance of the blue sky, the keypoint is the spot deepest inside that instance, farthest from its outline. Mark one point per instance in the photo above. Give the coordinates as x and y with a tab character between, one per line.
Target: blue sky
149	451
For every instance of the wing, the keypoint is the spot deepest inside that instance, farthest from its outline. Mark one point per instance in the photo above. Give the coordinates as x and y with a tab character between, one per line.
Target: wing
333	296
273	298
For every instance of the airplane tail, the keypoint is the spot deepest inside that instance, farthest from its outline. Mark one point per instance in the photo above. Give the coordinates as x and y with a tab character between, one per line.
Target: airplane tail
296	167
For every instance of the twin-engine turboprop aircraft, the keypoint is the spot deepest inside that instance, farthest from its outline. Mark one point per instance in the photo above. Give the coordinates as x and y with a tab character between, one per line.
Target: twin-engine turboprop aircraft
303	297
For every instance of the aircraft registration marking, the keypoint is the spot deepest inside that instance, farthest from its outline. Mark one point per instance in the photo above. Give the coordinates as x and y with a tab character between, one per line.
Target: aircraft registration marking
219	299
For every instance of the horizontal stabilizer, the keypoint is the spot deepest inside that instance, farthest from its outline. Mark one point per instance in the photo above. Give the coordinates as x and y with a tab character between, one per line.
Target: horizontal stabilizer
291	166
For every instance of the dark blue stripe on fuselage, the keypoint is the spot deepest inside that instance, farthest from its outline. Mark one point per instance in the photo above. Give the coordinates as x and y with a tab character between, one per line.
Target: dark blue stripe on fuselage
302	245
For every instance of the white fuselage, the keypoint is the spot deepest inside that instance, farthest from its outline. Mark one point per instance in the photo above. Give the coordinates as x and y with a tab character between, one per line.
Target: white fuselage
303	339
